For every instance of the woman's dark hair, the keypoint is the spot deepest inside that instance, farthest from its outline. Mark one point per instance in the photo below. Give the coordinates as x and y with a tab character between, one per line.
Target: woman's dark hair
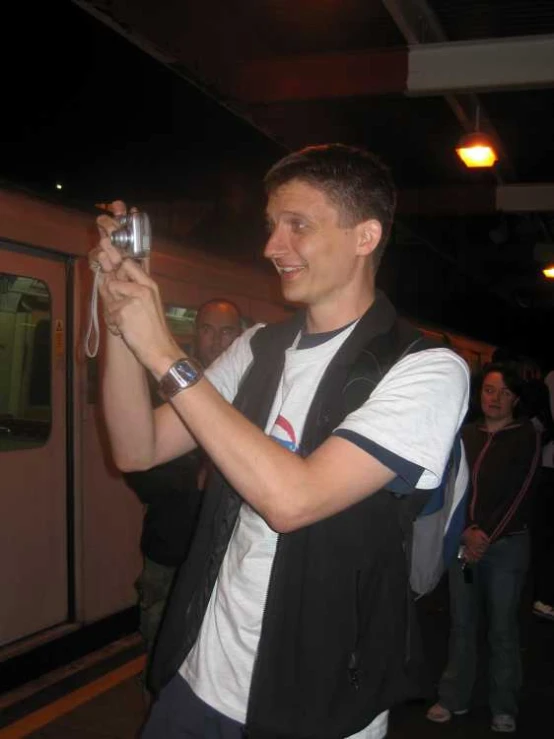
510	375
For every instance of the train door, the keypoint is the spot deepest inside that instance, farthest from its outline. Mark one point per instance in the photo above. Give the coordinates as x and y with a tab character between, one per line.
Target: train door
33	487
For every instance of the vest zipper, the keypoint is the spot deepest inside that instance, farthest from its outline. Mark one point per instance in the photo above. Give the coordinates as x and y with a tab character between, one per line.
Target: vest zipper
353	662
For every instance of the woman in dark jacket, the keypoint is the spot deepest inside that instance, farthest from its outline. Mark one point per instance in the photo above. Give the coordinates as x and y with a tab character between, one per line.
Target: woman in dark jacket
502	453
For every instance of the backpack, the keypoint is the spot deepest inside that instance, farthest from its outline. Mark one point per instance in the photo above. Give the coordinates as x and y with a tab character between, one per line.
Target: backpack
433	538
432	521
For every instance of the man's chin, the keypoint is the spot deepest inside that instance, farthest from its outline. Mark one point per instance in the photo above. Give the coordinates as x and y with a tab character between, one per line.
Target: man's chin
292	292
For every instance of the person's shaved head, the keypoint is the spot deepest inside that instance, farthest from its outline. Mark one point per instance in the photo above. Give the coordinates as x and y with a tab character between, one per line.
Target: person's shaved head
217	326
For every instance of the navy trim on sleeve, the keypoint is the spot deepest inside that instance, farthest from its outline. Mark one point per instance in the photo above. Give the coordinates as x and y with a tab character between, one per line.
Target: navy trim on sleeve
407	473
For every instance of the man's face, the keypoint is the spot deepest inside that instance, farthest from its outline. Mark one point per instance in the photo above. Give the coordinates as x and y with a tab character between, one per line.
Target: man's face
314	256
217	326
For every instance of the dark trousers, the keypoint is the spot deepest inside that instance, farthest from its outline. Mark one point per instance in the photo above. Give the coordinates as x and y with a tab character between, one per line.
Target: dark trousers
179	714
543	537
498	579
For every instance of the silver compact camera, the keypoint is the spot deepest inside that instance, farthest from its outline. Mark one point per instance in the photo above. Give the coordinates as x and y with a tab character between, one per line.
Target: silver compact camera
134	237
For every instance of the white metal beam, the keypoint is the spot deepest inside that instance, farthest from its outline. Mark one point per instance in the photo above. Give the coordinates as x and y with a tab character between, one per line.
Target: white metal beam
491	64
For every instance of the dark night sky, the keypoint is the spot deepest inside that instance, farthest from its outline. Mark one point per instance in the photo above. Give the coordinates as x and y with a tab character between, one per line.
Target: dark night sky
83	106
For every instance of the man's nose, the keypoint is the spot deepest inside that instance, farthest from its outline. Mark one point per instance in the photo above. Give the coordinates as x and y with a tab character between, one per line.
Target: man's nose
276	245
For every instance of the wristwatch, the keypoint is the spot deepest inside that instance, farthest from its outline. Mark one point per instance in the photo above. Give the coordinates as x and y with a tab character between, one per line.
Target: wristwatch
184	373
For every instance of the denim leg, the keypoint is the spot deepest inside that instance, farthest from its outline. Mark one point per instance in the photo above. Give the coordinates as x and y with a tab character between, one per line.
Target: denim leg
504	568
457	680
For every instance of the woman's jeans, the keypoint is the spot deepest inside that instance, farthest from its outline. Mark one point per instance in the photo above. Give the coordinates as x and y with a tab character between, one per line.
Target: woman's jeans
497	581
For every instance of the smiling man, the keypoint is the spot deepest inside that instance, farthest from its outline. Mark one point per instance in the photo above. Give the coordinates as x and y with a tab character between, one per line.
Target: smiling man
291	615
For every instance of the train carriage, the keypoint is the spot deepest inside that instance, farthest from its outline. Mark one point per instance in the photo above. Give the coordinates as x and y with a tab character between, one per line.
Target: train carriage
69	527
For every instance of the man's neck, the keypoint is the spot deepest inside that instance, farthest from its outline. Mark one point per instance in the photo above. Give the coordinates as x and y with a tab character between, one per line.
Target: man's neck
330	316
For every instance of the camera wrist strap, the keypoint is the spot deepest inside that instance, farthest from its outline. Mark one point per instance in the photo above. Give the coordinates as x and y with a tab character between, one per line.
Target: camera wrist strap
93	333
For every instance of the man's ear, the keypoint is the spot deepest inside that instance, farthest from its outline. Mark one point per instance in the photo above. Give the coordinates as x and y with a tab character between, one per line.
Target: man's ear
370	233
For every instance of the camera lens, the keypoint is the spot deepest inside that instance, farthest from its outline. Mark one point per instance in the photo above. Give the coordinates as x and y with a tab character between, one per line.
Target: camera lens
120	238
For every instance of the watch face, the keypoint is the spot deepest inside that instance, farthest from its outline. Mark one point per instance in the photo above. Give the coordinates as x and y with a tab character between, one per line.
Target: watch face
186	370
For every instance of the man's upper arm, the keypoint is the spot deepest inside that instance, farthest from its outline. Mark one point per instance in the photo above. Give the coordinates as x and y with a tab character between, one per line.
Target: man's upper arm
410	420
400	438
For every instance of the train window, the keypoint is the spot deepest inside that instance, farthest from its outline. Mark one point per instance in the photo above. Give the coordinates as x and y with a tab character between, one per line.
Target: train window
181	325
25	362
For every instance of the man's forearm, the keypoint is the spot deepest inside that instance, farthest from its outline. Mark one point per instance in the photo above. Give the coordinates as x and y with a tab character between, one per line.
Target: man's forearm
287	491
127	407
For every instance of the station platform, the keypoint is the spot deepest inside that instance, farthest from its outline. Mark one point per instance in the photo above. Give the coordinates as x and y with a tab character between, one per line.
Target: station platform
102	696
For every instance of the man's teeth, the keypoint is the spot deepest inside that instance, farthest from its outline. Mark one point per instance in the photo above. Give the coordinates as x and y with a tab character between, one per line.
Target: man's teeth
290	269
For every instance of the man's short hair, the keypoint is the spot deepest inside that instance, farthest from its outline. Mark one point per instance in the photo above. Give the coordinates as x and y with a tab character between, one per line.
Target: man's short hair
355	181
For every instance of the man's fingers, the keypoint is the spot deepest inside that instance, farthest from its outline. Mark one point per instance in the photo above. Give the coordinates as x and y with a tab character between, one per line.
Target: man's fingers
130	270
118	208
106	256
105	262
107	225
118	289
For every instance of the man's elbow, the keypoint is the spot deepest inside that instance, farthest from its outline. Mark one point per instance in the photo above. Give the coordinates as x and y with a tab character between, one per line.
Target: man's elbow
284	519
131	463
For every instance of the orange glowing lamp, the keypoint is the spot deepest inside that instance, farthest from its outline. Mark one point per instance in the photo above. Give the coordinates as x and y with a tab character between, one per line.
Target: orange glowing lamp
476	150
548	272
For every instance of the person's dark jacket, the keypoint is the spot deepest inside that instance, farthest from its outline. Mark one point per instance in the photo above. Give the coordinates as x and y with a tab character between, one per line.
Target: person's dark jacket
172	500
503	466
338	643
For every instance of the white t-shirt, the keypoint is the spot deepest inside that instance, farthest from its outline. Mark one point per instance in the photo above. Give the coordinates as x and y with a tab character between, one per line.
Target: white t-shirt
409	424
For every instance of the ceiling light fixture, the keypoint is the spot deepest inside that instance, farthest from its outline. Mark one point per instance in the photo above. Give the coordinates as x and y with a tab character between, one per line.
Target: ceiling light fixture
548	272
476	149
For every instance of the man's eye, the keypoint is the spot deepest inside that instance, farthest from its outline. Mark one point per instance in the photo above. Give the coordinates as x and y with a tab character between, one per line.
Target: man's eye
297	225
